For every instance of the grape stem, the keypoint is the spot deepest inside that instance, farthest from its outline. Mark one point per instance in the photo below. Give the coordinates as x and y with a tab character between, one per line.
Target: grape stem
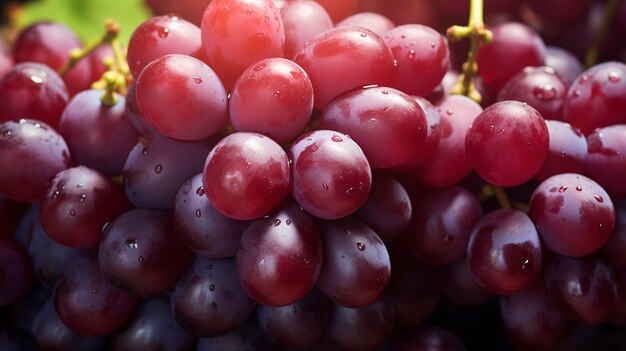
112	30
477	32
610	9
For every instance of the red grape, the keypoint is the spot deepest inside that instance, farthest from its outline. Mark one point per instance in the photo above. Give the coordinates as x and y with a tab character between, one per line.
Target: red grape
303	20
605	160
567	151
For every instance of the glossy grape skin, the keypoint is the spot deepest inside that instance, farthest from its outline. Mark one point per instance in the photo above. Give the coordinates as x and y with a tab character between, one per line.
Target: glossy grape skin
162	35
303	20
238	33
573	214
157	166
584	287
514	46
273	97
191	10
460	287
508	143
203	229
364	328
597	98
388	124
182	97
31	153
356	268
605	159
152	327
531	321
388	208
432	338
566	64
208	300
373	21
51	333
133	113
422	58
504	251
296	326
567	151
449	163
99	136
32	90
613	250
16	274
246	176
280	257
441	226
540	87
141	253
331	177
85	300
345	58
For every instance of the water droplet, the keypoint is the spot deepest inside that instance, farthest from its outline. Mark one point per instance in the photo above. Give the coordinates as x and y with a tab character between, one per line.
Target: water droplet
83	197
575	288
258	67
249	12
545	92
579	188
433	45
6	133
584	78
277	94
200	191
294	310
211	287
209	267
56	194
158	169
140	258
80	185
94	291
577	93
562	189
37	125
198	213
360	246
325	186
449	112
288	222
36	79
384	92
447	238
403	36
276	222
132	243
553	189
563	153
145	151
526	265
598	198
491	128
336	138
174	18
163	32
363	35
411	53
614	77
73	212
198	80
22	121
350	191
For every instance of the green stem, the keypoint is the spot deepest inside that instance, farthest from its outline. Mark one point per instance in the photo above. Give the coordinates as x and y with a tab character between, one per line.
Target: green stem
610	9
111	79
110	35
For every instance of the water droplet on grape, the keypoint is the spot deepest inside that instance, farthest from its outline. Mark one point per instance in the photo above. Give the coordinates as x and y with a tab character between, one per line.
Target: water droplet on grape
579	188
562	189
83	197
384	92
614	77
200	191
73	212
433	45
350	191
336	138
36	79
363	35
447	238
563	153
6	133
276	222
56	194
325	186
22	121
94	291
449	112
132	243
411	53
174	18
211	287
360	246
198	80
491	128
258	68
584	78
277	94
198	213
288	222
158	169
598	198
575	288
37	125
526	265
553	190
209	267
294	310
545	92
163	32
140	258
577	93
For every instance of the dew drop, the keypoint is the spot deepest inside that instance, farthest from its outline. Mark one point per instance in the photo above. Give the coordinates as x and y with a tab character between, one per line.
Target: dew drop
158	169
94	291
6	133
526	265
37	125
553	189
545	92
277	94
294	310
336	138
325	186
360	246
598	198
56	194
200	191
132	243
211	287
614	77
145	151
276	222
174	18
198	80
577	93
82	198
350	191
288	222
562	189
447	238
579	188
449	112
584	78
575	288
209	267
22	121
563	153
411	53
163	32
198	213
384	92
491	128
36	79
73	213
433	45
140	258
363	35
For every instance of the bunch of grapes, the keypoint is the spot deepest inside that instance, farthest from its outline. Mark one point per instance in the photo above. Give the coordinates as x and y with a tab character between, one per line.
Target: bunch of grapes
318	175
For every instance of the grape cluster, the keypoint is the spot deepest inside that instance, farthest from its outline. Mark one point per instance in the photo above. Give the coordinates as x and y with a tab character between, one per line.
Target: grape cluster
304	175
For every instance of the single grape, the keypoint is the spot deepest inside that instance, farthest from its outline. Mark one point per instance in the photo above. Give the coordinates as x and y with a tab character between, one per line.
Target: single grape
567	151
342	59
246	176
303	20
331	177
573	214
31	153
504	251
238	33
141	253
273	97
388	124
508	143
280	257
16	273
605	160
182	97
208	300
356	268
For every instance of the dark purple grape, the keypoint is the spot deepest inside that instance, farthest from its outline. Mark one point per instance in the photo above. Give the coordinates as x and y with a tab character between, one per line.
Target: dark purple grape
429	337
567	152
280	257
202	228
296	326
441	226
364	328
157	166
504	251
247	337
615	248
356	268
141	252
152	328
584	287
31	153
208	300
78	202
16	274
85	300
605	160
99	135
573	214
